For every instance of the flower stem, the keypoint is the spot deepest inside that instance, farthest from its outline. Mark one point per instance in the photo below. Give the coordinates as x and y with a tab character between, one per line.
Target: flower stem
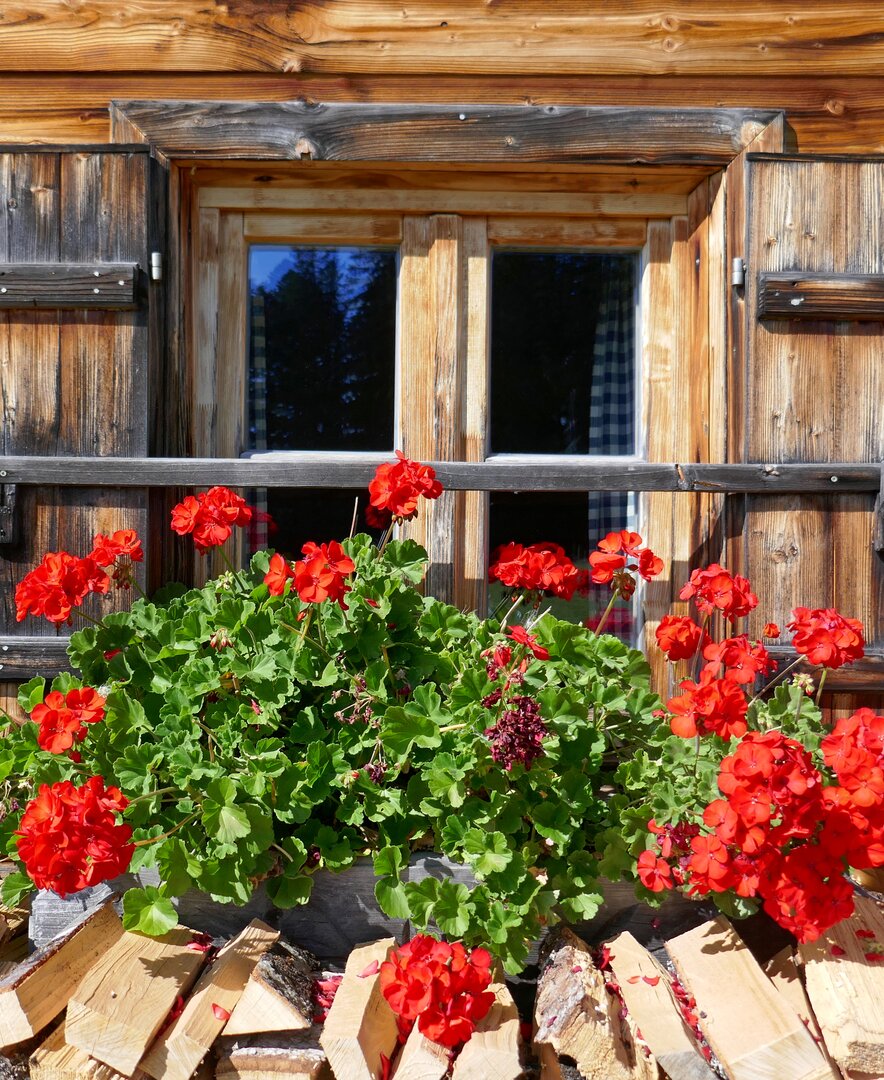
452	727
282	850
88	618
151	794
166	835
237	574
819	691
777	678
607	612
518	601
698	655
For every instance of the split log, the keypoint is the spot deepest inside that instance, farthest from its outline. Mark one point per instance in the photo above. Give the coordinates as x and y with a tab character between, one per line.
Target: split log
178	1052
56	1060
39	988
577	1016
12	952
646	988
492	1051
753	1031
360	1026
269	1056
421	1059
277	997
783	972
124	999
846	989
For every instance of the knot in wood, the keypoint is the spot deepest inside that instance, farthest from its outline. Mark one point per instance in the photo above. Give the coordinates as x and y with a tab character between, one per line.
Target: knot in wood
305	148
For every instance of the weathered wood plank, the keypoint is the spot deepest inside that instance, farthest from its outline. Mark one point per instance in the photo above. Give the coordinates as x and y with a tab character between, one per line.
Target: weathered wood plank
267	1057
543	232
311	228
287	131
839	297
504	473
356	36
68	285
54	1059
277	997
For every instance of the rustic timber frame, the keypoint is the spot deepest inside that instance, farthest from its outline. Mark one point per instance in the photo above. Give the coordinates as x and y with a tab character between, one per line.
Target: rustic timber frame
707	147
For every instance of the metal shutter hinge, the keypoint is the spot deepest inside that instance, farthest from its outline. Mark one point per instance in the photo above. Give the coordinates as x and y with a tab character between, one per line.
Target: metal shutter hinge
738	272
156	266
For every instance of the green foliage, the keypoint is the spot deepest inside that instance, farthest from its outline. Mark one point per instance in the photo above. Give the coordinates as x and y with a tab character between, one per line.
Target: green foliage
317	736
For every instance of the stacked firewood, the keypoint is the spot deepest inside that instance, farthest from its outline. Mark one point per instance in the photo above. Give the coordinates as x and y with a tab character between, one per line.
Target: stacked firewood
104	1004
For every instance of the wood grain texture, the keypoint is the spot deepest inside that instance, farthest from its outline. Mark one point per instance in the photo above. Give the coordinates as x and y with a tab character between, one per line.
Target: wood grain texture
288	131
277	997
420	1059
833	297
36	991
54	1059
847	990
178	1052
496	473
826	111
360	1025
492	1051
647	994
429	37
814	390
267	1057
751	1029
65	285
73	381
783	972
543	232
124	999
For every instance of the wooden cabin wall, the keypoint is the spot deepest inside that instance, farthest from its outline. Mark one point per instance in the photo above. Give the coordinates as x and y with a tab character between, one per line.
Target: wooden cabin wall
60	64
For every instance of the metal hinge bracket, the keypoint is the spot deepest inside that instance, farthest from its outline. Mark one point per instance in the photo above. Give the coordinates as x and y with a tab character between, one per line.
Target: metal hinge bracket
156	266
738	272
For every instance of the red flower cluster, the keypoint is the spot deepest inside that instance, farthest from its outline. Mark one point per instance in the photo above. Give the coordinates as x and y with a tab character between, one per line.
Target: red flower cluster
317	577
741	659
397	488
107	549
542	568
519	733
58	585
210	517
63	717
522	637
715	588
69	839
710	706
825	637
779	833
441	985
610	564
679	636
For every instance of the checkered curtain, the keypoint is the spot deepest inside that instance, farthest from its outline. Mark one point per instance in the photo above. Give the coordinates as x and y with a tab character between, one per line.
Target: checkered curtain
258	412
612	402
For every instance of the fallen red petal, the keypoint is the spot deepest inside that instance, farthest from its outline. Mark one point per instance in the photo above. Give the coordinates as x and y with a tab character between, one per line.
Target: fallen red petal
373	968
651	980
836	950
869	934
220	1012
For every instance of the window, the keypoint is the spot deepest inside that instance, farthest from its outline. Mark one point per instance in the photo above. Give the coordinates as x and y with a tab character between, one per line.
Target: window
504	326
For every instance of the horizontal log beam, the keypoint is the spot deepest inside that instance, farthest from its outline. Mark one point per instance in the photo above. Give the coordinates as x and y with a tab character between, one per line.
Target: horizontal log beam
24	657
495	474
862	676
549	134
68	285
428	37
850	297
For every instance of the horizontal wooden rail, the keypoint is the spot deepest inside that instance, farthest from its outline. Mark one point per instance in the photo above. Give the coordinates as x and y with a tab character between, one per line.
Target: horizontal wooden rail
68	285
25	657
495	474
840	297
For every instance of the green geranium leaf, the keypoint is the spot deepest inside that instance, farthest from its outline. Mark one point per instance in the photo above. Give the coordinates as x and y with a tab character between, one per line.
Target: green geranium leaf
146	911
290	889
452	908
31	694
488	852
392	897
407	558
16	886
226	823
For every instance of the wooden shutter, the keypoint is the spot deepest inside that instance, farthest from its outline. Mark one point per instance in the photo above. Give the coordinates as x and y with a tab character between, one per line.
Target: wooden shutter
810	388
77	310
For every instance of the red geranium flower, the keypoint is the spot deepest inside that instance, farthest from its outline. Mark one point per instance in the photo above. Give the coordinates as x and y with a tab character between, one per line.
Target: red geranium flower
398	487
654	873
278	574
611	562
210	517
679	636
710	706
826	637
58	585
716	588
62	718
542	567
741	659
69	837
523	637
320	575
105	549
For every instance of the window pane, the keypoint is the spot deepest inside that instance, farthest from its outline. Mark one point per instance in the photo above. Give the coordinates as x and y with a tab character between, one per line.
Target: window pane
297	515
321	347
576	521
562	353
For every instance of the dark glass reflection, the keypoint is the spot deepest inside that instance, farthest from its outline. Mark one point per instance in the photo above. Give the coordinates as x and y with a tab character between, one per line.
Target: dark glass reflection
577	522
321	347
562	353
297	515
